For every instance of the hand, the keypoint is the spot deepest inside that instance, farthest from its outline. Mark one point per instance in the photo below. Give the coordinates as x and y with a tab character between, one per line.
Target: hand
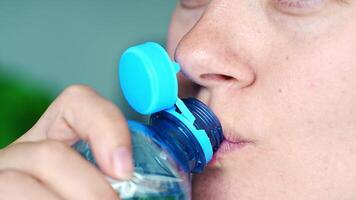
42	165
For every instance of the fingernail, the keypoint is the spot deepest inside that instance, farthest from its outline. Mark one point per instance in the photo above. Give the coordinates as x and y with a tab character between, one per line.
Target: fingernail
122	161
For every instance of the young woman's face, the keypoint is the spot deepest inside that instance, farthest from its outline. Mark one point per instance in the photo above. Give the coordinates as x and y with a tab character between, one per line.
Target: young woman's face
281	76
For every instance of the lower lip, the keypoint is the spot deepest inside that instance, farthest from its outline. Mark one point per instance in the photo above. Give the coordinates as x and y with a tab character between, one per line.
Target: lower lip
227	147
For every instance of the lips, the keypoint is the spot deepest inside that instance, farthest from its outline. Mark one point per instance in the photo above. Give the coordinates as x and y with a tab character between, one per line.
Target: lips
232	143
233	140
228	146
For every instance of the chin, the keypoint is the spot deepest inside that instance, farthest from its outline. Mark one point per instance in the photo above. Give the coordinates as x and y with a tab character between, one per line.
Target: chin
213	184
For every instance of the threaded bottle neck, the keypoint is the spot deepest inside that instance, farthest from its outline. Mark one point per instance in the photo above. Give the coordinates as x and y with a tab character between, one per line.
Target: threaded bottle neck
206	120
180	141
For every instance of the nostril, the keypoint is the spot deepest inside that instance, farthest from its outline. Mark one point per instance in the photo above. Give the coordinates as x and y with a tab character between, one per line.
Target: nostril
216	77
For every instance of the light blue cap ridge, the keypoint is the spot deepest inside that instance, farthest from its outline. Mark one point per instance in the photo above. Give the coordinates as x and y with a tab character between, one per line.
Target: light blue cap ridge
148	78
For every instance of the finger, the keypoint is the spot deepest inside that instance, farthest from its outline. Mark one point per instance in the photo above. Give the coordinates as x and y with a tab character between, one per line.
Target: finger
80	112
60	168
19	186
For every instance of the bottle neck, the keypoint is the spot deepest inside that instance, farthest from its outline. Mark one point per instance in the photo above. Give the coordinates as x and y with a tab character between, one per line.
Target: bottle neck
206	120
179	141
183	138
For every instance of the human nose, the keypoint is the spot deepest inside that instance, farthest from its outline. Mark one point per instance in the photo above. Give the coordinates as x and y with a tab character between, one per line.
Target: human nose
211	56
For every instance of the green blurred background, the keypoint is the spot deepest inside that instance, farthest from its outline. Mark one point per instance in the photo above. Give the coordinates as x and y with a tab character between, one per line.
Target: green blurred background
47	45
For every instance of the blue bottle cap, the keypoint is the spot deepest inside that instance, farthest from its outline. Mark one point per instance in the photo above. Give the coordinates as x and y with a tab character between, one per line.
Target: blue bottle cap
148	78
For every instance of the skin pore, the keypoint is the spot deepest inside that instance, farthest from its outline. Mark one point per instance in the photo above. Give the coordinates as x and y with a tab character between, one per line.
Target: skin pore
280	76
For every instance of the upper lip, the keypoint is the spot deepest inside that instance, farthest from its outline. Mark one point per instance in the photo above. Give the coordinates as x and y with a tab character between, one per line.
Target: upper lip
233	136
230	133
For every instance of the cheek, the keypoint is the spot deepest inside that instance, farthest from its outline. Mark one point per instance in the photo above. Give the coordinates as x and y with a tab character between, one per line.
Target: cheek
314	87
309	108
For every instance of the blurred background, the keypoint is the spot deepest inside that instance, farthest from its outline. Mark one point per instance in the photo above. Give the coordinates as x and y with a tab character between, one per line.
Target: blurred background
47	45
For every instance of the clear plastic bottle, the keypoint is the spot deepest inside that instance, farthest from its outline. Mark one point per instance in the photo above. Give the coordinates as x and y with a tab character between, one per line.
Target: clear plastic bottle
165	154
180	138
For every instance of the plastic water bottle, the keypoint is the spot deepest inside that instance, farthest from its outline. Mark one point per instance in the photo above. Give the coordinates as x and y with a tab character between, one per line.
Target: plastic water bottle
181	136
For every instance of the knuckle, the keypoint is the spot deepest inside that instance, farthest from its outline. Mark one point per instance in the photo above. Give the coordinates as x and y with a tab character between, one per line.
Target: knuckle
6	175
12	178
74	95
9	181
51	150
77	90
